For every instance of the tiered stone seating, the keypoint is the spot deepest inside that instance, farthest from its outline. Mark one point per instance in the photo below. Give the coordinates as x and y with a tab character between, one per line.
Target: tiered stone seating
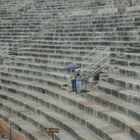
124	81
49	35
83	104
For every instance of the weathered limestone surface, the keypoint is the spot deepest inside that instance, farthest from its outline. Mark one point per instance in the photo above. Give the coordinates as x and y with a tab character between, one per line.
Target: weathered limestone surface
40	37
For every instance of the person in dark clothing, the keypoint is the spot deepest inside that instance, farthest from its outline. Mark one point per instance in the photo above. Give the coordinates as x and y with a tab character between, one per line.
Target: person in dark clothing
96	77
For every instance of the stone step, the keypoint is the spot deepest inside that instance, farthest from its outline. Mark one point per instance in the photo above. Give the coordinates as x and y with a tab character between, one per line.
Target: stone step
52	59
83	105
26	70
114	103
56	51
80	99
61	121
35	119
38	65
99	125
55	61
49	61
125	82
106	25
54	64
125	51
12	71
47	80
25	127
66	108
37	72
47	54
124	62
68	52
130	71
124	94
126	71
59	49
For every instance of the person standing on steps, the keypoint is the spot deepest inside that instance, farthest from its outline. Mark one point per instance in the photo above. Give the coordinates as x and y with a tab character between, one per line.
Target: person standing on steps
73	80
78	78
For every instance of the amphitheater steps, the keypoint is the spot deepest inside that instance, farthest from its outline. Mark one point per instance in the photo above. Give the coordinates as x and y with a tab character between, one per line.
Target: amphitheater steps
37	72
123	62
55	61
129	71
125	82
60	82
70	25
39	65
83	106
111	130
14	70
68	57
114	89
18	124
76	130
98	109
114	103
127	95
43	123
58	62
35	69
32	118
55	50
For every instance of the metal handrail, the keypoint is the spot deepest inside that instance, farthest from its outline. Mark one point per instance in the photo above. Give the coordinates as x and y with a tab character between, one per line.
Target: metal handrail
91	52
86	55
99	58
99	69
97	55
95	64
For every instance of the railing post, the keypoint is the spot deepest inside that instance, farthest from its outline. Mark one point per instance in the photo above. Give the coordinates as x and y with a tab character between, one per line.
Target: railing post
53	138
10	136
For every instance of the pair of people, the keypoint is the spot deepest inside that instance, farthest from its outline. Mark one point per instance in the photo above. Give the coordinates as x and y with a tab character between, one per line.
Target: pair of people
76	81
